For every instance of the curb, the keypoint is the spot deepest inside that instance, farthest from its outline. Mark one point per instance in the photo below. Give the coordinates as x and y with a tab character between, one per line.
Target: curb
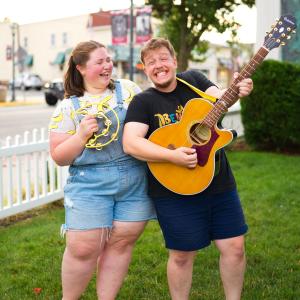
17	103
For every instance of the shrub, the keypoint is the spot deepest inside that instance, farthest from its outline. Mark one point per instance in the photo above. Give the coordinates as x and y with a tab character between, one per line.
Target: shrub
270	114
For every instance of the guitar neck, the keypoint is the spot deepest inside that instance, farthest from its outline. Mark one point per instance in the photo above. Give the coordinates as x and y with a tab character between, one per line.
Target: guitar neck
231	94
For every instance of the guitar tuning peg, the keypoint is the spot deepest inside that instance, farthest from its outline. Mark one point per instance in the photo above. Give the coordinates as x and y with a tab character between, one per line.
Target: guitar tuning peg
289	29
294	31
278	41
270	35
272	26
280	23
282	43
283	35
277	19
288	37
267	32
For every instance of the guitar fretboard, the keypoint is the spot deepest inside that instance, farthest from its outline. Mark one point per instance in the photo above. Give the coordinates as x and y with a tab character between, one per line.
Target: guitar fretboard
231	94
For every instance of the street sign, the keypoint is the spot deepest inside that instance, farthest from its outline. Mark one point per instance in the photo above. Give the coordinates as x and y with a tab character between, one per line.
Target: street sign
8	52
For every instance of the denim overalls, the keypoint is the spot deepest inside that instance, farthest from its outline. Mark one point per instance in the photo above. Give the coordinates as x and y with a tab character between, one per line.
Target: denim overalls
106	185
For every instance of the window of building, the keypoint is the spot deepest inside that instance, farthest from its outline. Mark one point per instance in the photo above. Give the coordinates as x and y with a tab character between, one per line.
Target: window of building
25	42
64	38
52	40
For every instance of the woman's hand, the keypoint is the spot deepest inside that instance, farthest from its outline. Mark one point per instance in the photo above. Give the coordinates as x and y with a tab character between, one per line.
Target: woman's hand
87	127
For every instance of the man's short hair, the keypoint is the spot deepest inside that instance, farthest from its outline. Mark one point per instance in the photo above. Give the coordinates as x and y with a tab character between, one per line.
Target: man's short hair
154	44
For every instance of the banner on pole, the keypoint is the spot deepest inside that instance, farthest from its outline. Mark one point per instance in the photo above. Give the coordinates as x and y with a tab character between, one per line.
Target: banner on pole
143	24
119	26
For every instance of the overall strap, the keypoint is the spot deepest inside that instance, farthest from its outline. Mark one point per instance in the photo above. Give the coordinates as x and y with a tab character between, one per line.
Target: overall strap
76	106
198	91
119	94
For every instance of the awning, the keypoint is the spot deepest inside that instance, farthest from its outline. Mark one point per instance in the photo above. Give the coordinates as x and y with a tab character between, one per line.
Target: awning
28	60
122	53
59	59
68	51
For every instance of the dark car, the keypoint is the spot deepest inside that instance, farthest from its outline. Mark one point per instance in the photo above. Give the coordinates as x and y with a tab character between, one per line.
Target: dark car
54	91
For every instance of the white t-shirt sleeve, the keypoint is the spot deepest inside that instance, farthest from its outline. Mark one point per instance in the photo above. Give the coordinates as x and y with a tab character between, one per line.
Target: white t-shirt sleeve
129	89
63	118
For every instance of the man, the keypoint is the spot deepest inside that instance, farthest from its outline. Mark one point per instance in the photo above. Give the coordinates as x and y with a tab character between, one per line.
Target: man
188	223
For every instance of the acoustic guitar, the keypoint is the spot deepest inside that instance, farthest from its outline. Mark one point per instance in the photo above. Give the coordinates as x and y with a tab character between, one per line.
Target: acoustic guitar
198	125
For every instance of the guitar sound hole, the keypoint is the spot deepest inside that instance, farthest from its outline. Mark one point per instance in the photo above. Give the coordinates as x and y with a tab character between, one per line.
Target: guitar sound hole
200	133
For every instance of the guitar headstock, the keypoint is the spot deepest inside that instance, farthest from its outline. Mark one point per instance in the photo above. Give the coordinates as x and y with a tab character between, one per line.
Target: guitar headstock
280	32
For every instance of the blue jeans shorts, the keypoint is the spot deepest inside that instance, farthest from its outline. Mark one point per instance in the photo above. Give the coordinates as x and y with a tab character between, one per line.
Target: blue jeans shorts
190	223
97	195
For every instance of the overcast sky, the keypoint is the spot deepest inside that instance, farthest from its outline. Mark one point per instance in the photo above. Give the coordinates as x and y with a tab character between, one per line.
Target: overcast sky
29	11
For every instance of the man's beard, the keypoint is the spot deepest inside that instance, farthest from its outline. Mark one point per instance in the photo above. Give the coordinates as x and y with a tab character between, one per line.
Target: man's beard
163	85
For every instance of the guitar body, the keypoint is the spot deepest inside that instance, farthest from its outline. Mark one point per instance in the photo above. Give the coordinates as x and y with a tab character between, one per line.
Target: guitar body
207	141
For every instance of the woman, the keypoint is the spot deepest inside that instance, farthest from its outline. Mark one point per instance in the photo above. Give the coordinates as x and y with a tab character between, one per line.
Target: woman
106	205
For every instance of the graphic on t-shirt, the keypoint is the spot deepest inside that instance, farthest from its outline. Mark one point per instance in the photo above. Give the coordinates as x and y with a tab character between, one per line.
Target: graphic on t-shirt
165	119
108	122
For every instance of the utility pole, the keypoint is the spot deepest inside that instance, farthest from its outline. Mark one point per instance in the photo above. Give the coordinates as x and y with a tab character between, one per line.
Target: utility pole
13	27
131	43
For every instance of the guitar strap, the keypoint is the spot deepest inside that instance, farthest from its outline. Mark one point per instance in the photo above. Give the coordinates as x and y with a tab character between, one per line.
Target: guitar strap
197	91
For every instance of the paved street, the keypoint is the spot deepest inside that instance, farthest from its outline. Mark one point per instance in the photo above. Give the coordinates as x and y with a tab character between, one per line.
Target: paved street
17	119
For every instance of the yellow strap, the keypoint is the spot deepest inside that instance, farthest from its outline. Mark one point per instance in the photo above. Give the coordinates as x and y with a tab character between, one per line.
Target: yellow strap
199	92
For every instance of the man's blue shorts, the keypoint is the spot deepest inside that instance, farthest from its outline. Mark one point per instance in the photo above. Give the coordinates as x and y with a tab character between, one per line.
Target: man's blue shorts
190	223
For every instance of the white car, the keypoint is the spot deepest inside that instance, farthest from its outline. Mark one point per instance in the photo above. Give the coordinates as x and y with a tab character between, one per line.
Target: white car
26	81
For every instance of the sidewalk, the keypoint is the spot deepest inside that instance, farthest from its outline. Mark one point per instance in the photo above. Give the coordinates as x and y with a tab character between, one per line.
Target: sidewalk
17	103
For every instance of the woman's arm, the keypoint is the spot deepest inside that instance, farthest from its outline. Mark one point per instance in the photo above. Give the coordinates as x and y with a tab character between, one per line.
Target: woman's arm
64	148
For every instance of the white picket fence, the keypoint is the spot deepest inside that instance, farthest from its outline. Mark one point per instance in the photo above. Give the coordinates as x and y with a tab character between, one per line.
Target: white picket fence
28	176
233	119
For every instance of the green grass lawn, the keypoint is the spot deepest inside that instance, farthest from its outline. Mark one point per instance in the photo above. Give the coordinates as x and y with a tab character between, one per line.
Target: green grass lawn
31	250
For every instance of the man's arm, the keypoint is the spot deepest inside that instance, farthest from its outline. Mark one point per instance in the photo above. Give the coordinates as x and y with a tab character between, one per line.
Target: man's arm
135	144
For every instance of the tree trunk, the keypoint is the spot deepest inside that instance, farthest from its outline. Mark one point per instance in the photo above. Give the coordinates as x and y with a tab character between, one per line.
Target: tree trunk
182	59
183	49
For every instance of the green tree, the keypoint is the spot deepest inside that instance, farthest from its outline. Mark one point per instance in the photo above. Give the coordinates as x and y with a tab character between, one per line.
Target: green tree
183	22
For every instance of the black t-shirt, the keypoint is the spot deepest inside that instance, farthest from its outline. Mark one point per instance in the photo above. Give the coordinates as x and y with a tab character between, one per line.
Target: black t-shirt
157	109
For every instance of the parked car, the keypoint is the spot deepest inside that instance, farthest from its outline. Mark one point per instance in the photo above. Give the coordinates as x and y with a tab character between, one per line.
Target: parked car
26	81
54	91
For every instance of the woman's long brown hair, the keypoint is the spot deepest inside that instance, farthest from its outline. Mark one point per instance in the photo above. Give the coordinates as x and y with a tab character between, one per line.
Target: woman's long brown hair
73	81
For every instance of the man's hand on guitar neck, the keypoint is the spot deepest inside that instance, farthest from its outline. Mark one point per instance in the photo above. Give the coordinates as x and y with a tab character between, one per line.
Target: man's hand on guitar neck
245	87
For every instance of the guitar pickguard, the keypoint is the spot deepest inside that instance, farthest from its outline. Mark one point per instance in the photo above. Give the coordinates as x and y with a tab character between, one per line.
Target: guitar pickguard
203	151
